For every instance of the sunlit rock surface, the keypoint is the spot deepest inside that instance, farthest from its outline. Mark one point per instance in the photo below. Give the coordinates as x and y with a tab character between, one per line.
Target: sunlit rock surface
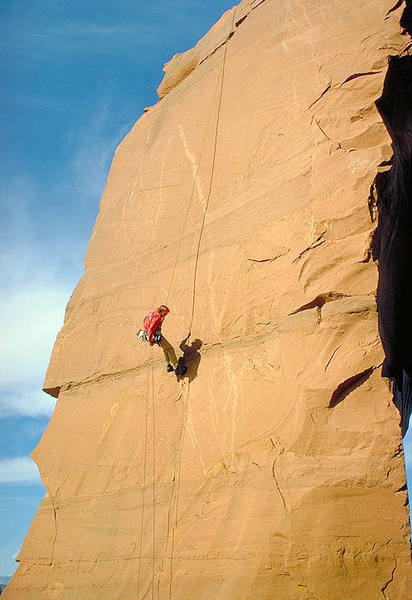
275	470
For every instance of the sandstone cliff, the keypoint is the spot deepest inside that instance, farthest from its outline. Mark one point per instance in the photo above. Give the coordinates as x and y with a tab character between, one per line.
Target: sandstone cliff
246	200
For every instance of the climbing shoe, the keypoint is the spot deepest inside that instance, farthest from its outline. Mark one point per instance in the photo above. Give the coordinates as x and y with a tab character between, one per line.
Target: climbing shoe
169	368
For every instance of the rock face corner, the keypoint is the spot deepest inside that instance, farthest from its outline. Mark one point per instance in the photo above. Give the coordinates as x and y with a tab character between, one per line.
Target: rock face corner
263	200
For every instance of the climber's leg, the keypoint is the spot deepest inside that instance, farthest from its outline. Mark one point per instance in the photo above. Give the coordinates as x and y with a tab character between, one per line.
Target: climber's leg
168	351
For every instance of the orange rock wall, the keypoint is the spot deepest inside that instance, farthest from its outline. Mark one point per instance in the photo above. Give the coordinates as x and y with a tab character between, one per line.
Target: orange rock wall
275	468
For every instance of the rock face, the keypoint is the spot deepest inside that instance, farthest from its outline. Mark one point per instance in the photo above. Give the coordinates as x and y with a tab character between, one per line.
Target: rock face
243	200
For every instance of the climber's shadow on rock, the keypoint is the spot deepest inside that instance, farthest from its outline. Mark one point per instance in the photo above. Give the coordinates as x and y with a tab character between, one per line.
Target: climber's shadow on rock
190	359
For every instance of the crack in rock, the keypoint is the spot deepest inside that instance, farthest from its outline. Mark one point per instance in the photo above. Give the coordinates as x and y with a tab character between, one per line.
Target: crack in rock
349	385
269	259
356	75
320	301
319	241
277	484
325	91
387	584
397	5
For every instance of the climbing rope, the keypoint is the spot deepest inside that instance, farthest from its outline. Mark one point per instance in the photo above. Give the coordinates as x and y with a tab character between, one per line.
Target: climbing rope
153	479
53	546
191	195
176	487
210	181
175	492
143	485
209	193
176	481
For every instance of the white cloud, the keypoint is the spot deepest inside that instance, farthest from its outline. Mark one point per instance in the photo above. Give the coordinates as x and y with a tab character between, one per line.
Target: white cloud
19	470
94	149
29	322
37	275
35	290
29	402
30	318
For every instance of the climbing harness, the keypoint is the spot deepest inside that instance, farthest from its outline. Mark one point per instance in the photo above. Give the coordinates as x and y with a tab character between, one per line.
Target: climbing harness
143	337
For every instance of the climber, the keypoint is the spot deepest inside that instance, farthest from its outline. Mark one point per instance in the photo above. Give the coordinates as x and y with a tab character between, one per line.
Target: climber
151	333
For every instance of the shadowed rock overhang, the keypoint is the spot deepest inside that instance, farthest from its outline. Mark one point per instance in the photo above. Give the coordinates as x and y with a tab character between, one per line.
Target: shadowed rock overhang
393	236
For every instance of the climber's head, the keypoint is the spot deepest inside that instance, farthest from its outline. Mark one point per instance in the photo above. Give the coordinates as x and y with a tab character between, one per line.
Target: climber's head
163	310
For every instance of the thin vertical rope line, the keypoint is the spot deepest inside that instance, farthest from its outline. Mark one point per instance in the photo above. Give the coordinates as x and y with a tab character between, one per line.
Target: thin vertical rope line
153	480
143	486
211	176
194	298
191	195
177	483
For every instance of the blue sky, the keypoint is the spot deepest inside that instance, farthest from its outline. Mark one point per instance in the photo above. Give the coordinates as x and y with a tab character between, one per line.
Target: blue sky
75	77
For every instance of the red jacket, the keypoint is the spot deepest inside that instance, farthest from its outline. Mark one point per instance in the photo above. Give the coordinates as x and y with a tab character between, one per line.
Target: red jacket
151	323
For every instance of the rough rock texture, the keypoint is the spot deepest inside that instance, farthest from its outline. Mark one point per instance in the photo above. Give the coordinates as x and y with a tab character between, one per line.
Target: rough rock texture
275	469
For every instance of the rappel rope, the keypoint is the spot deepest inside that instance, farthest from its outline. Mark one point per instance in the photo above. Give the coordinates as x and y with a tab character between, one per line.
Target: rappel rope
144	483
212	172
153	480
177	468
209	193
191	196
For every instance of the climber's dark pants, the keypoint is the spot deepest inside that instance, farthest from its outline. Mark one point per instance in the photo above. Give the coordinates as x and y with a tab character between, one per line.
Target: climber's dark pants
168	351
